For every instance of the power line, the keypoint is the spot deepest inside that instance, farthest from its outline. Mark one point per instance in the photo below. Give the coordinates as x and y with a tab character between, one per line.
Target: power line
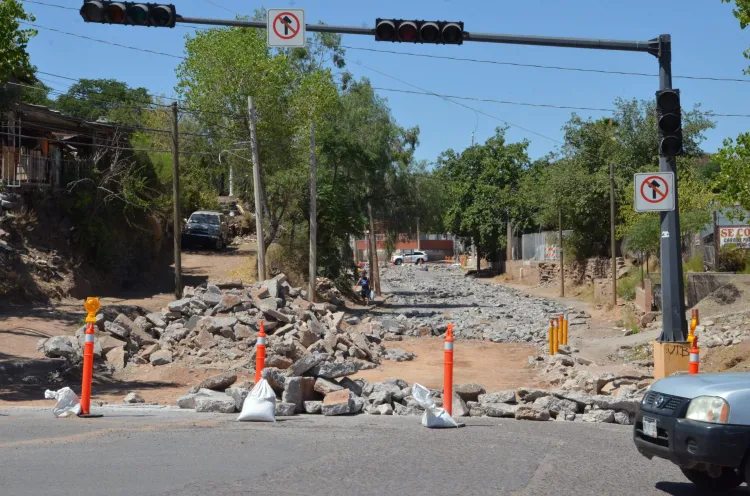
104	41
460	104
221	7
541	66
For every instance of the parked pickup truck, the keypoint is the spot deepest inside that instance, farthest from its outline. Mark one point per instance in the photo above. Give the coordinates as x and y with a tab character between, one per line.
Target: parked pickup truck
206	227
701	423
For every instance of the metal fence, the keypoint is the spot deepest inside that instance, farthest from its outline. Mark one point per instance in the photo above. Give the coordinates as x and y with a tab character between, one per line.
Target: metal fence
542	246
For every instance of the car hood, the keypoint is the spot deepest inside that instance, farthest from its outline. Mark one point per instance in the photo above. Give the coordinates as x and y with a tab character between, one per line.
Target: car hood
724	385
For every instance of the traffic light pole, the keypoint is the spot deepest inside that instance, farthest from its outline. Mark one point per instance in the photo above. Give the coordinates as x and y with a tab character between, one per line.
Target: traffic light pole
674	324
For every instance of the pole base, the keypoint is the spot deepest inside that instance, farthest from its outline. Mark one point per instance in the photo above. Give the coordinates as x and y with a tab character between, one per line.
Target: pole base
90	415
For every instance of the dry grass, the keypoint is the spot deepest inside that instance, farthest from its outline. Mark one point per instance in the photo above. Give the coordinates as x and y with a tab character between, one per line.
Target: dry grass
248	272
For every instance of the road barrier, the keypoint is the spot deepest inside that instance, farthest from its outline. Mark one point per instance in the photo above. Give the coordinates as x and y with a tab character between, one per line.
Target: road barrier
694	321
92	306
448	371
260	352
695	357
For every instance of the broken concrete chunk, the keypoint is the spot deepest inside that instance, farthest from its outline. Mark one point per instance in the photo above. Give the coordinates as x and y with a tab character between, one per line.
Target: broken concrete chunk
116	330
306	363
59	346
508	396
157	318
285	409
133	397
469	392
333	370
313	407
220	403
161	357
526	412
179	306
338	403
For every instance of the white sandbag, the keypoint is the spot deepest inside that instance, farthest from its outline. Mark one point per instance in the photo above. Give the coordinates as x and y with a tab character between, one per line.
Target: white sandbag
67	404
434	417
260	404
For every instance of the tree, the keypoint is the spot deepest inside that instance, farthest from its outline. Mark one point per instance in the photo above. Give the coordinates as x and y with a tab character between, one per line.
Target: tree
14	59
481	183
108	99
742	13
733	180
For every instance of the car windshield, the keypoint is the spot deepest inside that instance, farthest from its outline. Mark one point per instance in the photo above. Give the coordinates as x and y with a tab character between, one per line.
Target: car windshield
204	219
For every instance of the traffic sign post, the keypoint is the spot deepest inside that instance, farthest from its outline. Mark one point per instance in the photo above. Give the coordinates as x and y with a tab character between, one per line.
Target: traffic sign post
286	28
654	192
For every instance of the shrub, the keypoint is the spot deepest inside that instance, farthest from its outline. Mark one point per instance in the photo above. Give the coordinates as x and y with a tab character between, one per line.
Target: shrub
626	285
733	258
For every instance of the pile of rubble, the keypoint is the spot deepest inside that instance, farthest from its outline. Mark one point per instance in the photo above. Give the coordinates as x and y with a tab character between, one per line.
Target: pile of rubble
725	330
218	323
510	317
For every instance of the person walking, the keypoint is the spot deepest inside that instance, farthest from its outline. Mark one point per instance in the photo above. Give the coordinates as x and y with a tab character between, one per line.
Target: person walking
365	291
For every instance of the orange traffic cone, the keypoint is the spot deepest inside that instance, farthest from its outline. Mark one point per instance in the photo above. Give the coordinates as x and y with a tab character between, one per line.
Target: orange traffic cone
695	357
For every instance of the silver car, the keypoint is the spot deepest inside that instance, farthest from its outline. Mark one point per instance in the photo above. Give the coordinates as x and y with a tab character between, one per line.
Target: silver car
701	423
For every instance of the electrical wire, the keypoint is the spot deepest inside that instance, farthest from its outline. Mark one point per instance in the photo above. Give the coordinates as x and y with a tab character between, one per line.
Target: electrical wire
221	7
460	104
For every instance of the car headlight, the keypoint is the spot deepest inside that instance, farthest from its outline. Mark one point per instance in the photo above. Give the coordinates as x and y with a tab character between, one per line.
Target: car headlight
708	409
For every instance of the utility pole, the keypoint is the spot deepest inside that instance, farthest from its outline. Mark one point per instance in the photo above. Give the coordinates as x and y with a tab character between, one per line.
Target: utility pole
612	231
256	190
562	261
419	242
313	263
509	236
176	216
374	271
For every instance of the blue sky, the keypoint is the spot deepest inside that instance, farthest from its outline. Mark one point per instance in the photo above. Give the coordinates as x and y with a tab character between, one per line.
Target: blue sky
707	41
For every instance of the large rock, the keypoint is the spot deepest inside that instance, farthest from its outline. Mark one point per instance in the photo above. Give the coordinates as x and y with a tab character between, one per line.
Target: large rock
205	340
338	403
302	304
266	304
218	404
313	406
207	324
306	363
278	361
384	409
109	343
116	330
469	392
116	357
181	306
459	408
556	406
133	397
582	399
157	318
285	409
238	394
622	418
161	357
330	370
600	416
59	347
527	412
380	397
275	378
324	386
398	355
529	395
355	386
188	400
276	315
219	382
274	288
307	337
496	410
242	331
228	302
508	396
293	393
628	404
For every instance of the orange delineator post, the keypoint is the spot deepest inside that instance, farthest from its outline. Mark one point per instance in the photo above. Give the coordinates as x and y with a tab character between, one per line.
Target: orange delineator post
565	330
448	371
560	330
555	344
92	306
695	358
260	352
551	341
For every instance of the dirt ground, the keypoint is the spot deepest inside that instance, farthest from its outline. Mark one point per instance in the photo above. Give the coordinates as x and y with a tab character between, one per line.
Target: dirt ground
496	366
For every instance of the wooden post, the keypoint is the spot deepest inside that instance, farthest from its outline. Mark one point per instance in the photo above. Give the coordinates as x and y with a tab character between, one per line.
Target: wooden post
176	215
509	236
419	243
612	231
374	272
256	190
562	261
313	264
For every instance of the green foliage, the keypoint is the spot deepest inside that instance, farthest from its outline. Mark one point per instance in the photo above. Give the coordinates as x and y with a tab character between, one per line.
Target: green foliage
695	264
742	13
733	180
626	285
481	183
732	258
108	99
14	59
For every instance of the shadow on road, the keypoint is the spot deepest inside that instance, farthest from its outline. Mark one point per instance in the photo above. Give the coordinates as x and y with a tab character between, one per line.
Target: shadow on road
689	489
102	386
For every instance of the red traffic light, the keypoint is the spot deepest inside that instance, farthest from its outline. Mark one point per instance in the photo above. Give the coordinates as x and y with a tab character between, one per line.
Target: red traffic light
407	31
385	30
114	13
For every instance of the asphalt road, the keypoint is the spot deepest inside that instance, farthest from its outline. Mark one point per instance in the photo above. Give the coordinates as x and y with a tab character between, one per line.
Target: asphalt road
162	453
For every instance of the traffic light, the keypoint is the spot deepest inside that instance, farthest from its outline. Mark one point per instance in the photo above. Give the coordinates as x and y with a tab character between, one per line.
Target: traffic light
669	114
398	30
129	13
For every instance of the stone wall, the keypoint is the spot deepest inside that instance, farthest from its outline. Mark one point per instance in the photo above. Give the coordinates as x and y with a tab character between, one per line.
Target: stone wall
579	272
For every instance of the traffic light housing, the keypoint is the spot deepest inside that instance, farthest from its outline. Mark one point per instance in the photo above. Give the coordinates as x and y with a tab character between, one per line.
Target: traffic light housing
405	31
669	117
129	13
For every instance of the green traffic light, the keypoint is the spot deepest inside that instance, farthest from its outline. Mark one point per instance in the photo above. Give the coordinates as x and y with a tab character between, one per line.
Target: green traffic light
137	14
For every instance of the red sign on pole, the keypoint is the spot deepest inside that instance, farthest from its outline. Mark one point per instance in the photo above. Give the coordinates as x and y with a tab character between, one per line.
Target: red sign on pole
654	192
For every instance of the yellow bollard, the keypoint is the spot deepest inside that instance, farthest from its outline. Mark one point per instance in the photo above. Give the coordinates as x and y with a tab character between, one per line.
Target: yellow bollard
551	341
565	329
555	343
560	330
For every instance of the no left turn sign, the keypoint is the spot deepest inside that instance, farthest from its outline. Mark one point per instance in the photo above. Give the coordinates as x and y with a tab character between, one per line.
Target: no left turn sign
654	192
285	28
